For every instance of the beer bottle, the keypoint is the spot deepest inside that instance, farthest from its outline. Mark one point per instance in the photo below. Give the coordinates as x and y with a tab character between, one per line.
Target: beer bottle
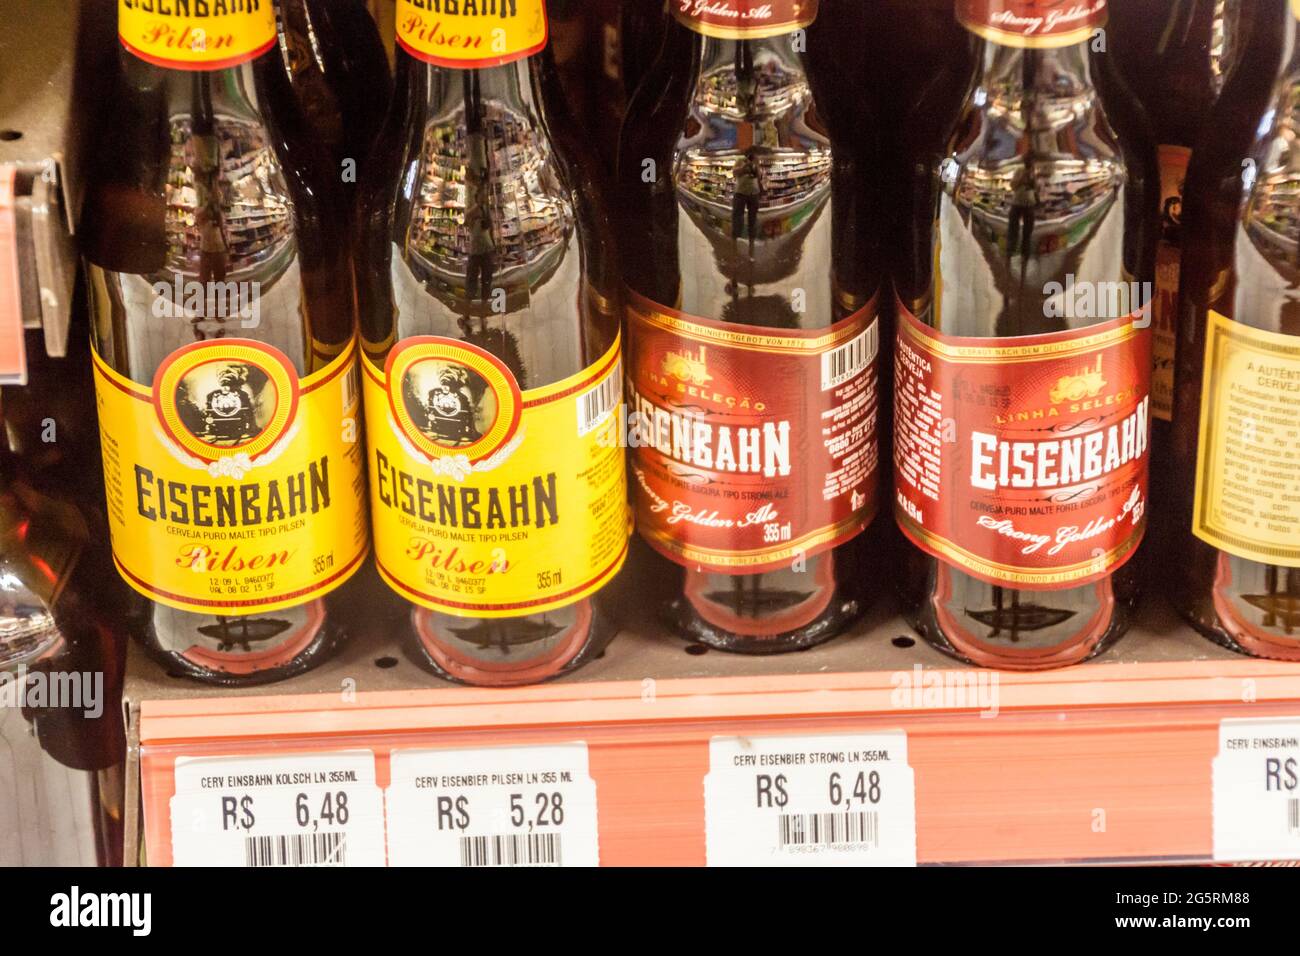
223	329
1170	58
1237	419
1023	356
339	73
752	324
491	345
60	767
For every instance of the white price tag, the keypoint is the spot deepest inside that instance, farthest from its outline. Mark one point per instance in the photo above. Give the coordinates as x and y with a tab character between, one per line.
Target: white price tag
839	799
278	810
494	806
1257	790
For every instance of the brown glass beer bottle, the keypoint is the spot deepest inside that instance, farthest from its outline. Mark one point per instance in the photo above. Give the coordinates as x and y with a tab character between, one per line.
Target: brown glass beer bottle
223	327
492	355
1023	357
753	368
1237	422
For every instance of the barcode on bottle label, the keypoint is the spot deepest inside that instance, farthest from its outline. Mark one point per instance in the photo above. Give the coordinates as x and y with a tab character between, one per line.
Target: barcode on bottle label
296	849
351	388
278	810
1256	783
534	849
851	358
492	806
595	405
810	800
860	828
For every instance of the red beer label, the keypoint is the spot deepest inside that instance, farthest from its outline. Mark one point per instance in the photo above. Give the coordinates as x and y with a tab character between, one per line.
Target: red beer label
1023	461
1032	23
752	447
745	19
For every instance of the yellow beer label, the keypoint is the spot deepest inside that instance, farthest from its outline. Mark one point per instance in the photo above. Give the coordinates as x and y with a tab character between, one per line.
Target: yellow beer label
234	487
1248	463
1295	8
471	34
488	501
196	34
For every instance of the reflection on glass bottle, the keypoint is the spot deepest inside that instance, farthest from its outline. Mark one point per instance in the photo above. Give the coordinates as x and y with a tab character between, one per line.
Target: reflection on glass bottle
489	331
223	330
61	736
1034	206
1239	582
749	263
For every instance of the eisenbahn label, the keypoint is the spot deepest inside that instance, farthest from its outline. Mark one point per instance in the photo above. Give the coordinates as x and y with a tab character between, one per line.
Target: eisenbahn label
234	487
196	34
744	19
1023	461
752	447
489	501
1033	23
471	34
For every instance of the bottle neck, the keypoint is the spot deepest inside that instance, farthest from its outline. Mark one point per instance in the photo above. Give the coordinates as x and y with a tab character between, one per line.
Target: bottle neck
442	91
1008	72
746	61
230	92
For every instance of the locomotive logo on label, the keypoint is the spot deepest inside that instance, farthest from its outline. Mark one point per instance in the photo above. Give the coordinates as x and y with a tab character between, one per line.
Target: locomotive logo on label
452	399
232	401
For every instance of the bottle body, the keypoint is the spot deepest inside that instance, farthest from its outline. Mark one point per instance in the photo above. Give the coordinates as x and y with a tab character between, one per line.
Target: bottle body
492	358
754	359
1238	582
223	331
1023	363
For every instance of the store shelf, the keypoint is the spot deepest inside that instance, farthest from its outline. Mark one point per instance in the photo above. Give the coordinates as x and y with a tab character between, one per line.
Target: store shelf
1109	761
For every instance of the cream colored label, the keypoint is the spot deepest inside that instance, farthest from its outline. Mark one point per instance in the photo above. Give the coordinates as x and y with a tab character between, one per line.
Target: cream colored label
471	34
488	501
234	487
1248	463
196	34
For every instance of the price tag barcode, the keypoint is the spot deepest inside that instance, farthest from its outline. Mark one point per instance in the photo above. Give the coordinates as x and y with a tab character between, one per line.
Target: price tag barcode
829	829
596	404
810	800
492	806
850	359
278	810
533	849
296	849
1256	781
